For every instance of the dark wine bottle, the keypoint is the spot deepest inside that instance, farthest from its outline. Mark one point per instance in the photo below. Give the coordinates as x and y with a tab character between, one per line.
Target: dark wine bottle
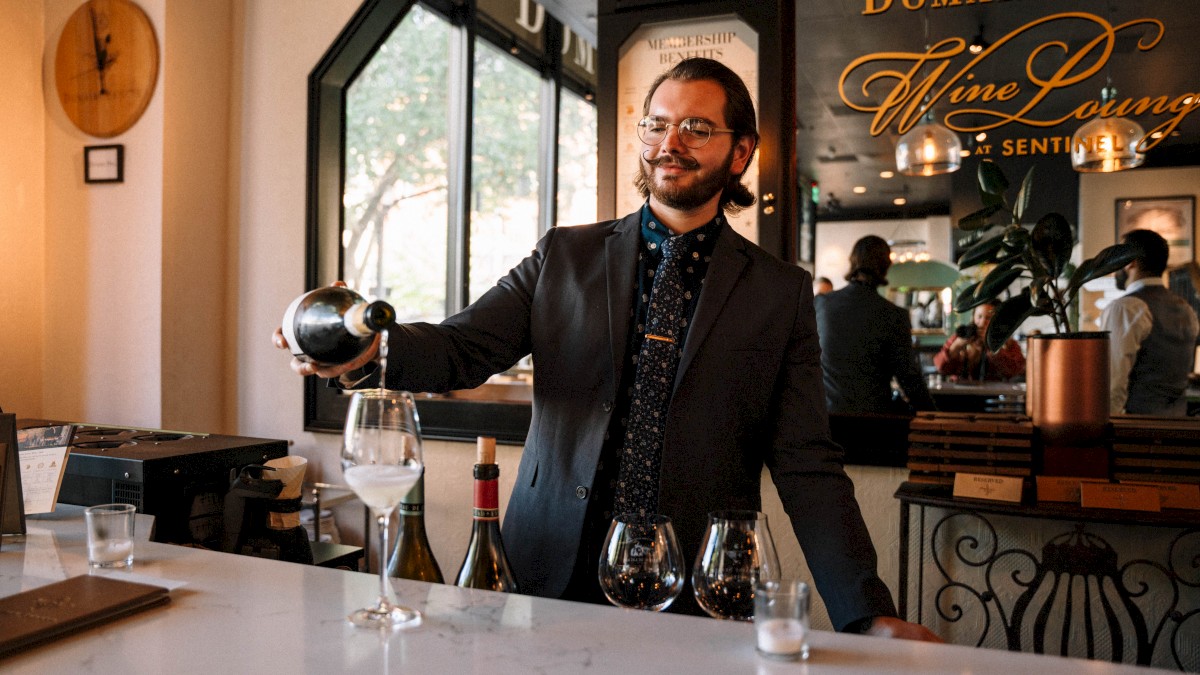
412	557
486	565
333	324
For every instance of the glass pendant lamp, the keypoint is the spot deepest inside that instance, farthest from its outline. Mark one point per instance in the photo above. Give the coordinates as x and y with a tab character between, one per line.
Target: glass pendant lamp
928	149
1107	144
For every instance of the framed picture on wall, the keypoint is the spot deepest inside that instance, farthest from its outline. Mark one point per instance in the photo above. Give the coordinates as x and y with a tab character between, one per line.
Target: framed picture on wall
104	164
1172	217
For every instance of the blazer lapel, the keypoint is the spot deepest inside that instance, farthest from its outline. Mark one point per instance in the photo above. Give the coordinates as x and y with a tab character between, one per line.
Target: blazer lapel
620	260
726	266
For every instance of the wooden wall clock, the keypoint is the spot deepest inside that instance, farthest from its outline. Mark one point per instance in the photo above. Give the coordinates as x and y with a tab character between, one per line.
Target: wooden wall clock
106	66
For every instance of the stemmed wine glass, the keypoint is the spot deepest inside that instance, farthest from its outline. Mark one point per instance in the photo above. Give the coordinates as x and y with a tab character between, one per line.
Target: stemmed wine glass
737	552
381	461
641	564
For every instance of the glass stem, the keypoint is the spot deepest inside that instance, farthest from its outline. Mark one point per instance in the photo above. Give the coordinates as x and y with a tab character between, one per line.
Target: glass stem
383	520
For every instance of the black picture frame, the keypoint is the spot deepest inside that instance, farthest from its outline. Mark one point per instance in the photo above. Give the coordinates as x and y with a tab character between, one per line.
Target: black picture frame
104	164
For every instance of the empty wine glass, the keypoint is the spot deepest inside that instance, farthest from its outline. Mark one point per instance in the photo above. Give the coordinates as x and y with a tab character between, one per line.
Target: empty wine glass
641	566
381	461
737	552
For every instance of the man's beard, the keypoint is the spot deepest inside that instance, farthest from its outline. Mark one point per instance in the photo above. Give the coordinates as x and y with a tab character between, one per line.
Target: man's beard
670	193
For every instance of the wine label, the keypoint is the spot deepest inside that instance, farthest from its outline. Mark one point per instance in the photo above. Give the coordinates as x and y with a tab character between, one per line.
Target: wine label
485	514
412	509
996	488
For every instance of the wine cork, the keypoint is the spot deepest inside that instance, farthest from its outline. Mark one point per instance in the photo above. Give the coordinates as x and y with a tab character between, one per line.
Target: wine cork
485	450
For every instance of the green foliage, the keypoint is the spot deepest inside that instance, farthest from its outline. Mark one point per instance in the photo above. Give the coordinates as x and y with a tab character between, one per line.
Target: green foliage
1040	256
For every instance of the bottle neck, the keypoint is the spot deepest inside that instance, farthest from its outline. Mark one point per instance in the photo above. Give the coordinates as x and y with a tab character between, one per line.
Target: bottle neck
413	503
487	492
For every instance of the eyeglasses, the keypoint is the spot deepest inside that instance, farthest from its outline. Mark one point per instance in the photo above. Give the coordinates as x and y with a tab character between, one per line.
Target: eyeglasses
693	131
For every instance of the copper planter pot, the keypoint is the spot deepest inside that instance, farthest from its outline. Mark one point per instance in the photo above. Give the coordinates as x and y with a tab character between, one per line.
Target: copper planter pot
1067	398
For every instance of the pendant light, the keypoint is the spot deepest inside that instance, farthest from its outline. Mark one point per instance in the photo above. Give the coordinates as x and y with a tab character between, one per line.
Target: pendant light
1107	144
929	148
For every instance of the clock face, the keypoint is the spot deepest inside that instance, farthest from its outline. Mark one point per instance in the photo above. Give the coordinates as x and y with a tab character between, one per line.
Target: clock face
106	66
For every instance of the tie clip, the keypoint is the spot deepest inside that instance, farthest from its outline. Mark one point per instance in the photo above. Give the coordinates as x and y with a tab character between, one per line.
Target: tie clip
660	338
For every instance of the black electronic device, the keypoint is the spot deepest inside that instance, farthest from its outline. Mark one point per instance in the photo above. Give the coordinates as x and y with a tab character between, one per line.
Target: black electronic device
180	478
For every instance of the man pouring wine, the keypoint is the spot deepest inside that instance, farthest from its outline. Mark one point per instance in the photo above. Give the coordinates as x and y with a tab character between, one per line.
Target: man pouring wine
674	359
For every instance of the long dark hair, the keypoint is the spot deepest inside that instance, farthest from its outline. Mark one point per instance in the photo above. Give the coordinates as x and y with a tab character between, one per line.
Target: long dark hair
869	261
739	115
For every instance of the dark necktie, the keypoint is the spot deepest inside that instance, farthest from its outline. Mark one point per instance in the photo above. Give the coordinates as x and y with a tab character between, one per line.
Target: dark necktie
637	481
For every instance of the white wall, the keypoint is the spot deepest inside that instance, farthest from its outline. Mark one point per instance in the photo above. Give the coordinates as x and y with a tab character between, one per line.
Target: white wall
836	239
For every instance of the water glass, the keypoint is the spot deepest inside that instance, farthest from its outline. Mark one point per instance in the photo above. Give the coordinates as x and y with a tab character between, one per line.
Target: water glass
781	619
110	534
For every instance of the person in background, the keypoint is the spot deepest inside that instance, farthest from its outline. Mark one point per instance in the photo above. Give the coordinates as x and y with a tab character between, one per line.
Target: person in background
746	391
1152	335
822	285
965	356
866	340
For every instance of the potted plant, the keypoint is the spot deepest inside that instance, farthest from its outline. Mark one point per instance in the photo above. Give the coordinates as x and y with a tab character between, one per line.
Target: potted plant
1067	371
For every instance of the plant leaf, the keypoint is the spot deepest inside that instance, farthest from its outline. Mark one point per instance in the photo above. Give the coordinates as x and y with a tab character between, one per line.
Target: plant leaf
991	178
1105	262
984	251
980	219
1008	317
998	279
1023	196
1051	242
966	299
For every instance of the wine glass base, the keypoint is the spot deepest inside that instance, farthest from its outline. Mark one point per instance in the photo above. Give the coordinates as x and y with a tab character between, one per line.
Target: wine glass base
388	618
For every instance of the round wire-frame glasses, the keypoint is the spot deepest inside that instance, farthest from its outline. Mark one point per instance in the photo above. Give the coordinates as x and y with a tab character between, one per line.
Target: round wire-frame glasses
693	131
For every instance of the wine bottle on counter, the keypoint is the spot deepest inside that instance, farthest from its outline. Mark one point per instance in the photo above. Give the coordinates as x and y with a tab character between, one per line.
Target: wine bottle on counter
333	324
412	558
486	565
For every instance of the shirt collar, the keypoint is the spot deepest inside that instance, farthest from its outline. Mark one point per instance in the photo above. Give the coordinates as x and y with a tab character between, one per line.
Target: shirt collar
654	232
1142	283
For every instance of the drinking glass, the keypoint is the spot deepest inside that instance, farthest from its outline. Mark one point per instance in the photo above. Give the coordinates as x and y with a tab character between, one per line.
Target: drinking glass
641	564
381	461
736	553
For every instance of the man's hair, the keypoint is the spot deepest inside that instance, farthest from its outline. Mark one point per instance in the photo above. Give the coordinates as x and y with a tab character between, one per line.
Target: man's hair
1153	251
739	116
869	261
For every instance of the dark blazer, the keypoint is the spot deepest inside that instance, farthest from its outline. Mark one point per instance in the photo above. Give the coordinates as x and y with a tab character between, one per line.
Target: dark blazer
865	341
748	392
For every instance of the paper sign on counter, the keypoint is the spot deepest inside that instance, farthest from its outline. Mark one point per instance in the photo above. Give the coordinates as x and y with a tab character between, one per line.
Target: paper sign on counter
996	488
1127	497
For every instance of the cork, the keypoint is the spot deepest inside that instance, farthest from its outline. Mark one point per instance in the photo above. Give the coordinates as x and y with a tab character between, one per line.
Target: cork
485	450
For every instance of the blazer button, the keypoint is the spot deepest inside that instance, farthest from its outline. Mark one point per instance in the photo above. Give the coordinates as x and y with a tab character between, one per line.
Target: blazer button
581	492
608	406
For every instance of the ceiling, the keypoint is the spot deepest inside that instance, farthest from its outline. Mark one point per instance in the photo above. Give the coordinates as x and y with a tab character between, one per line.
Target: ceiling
834	143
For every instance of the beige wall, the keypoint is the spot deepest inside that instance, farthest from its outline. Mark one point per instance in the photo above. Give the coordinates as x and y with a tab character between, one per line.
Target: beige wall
22	208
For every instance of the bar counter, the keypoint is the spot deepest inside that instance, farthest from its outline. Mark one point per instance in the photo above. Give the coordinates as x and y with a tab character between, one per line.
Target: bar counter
239	614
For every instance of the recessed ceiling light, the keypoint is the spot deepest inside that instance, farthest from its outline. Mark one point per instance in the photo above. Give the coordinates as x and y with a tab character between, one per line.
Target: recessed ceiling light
981	136
886	174
899	201
858	189
964	153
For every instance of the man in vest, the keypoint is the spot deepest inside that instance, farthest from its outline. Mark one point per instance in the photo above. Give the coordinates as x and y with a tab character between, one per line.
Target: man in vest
1152	335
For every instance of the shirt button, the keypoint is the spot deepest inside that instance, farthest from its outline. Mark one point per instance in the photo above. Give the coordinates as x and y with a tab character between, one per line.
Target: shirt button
581	492
608	406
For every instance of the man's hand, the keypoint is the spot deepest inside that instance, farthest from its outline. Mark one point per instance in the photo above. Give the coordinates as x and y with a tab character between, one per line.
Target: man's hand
891	627
305	368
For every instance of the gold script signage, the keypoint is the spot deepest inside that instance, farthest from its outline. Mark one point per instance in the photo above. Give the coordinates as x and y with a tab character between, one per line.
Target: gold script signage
913	82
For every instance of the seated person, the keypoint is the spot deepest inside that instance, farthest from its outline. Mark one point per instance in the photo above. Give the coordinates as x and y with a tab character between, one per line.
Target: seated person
965	357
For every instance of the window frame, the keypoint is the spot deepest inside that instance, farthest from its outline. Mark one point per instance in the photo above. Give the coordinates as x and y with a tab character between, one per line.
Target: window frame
370	27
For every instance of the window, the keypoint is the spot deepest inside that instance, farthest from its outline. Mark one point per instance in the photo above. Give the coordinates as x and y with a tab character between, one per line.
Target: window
436	134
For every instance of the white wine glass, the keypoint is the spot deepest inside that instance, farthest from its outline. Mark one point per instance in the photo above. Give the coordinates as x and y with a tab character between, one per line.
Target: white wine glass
381	461
737	552
641	566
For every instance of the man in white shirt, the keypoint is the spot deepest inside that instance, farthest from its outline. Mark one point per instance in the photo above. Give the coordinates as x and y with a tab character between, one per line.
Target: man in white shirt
1152	335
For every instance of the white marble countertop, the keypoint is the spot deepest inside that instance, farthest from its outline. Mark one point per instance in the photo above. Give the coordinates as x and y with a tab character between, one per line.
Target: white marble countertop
237	614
